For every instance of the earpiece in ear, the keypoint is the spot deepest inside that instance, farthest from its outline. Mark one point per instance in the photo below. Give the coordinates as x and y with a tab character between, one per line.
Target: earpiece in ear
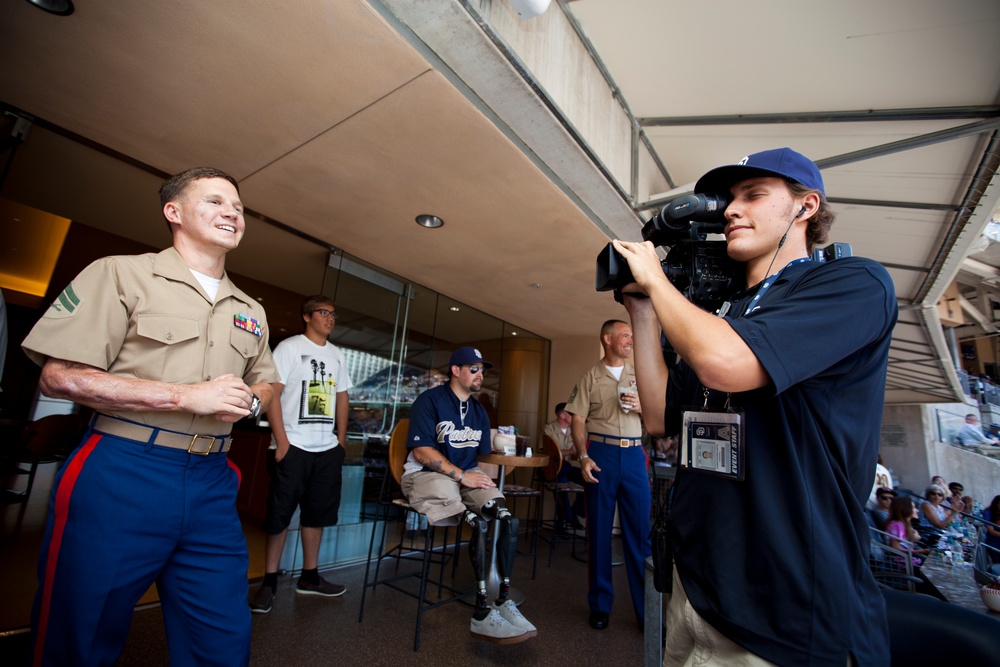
801	211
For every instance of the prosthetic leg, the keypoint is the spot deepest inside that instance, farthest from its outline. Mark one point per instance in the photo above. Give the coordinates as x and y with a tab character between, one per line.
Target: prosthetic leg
500	621
477	553
506	544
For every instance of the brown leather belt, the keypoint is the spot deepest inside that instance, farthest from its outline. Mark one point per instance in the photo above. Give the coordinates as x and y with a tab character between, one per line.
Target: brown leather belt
617	442
192	444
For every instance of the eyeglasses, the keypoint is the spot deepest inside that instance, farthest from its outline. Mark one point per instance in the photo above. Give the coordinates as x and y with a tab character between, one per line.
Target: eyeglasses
323	312
475	368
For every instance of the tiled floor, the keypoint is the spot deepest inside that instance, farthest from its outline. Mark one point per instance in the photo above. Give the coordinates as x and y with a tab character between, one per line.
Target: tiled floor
306	630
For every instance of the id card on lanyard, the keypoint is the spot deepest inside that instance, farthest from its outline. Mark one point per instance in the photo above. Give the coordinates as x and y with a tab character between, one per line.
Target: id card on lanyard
712	440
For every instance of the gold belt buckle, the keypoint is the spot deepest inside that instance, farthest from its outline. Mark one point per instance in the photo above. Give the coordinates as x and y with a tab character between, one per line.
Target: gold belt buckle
624	442
193	449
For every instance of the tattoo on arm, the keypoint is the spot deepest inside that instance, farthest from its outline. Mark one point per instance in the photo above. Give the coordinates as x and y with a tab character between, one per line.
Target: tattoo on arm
452	474
434	465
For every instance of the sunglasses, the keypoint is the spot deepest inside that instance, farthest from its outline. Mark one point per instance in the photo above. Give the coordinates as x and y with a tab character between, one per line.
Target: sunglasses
323	312
935	493
475	368
885	497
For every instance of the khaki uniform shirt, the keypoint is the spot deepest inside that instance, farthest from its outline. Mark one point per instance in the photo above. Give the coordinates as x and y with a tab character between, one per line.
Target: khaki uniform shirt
564	440
146	317
595	398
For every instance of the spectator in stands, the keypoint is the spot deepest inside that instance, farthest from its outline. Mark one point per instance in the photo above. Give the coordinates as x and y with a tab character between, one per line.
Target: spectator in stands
956	497
881	514
971	435
992	514
904	538
883	480
900	526
933	513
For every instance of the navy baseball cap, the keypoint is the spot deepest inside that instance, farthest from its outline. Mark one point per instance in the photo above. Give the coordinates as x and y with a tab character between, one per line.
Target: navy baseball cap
468	355
782	162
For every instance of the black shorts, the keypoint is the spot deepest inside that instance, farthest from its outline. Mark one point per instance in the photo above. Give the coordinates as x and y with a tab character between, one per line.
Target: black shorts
310	480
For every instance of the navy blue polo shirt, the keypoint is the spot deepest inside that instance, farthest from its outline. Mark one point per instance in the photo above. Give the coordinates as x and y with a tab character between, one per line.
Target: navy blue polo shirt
777	562
436	421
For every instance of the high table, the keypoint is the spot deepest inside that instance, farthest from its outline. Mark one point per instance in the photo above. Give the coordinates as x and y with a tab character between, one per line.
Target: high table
536	461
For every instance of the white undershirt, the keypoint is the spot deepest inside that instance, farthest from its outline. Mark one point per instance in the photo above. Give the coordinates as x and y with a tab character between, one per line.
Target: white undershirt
208	283
616	371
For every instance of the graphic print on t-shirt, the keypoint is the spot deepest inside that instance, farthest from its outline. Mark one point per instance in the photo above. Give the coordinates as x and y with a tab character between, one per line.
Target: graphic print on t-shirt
318	399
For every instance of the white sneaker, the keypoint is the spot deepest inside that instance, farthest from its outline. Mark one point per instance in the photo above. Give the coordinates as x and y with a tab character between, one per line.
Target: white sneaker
495	628
513	615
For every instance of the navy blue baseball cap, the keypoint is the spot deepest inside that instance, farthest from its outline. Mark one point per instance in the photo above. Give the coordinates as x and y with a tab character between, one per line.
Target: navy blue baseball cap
782	162
468	355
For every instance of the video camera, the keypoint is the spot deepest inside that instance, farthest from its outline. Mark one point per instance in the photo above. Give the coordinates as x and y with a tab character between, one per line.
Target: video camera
699	268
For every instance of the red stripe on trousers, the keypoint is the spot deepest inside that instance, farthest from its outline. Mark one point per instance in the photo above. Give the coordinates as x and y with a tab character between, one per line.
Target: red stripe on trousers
63	495
239	475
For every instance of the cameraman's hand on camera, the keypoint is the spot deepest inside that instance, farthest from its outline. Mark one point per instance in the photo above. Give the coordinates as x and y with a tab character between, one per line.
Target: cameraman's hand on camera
643	262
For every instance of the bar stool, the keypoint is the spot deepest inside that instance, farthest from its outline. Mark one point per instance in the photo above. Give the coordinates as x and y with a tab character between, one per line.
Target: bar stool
390	501
549	476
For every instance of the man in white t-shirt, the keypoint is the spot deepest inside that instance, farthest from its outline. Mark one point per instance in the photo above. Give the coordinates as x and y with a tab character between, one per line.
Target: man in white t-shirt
305	459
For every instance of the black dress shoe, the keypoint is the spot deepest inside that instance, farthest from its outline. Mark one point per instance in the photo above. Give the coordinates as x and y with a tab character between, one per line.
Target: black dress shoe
599	620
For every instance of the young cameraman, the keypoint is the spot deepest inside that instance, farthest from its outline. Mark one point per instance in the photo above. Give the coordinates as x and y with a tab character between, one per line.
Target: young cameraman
778	403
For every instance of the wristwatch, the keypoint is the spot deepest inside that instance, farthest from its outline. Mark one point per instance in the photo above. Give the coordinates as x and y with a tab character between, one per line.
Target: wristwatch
255	407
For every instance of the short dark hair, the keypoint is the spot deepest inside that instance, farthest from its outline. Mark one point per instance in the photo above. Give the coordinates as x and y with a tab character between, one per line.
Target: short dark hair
560	407
174	187
818	227
609	326
311	304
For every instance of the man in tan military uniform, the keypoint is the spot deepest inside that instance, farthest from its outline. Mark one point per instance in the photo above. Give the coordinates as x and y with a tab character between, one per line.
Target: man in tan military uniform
568	514
169	353
607	433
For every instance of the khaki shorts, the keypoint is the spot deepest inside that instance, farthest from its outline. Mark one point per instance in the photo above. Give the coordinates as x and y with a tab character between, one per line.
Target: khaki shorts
439	497
692	641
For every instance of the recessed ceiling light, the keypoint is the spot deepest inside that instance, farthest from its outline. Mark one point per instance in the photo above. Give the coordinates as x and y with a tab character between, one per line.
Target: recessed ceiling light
536	286
58	7
513	333
429	221
455	309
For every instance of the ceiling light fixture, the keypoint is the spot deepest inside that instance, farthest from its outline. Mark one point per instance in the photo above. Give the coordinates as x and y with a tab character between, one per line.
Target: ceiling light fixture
455	309
527	9
429	221
57	7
